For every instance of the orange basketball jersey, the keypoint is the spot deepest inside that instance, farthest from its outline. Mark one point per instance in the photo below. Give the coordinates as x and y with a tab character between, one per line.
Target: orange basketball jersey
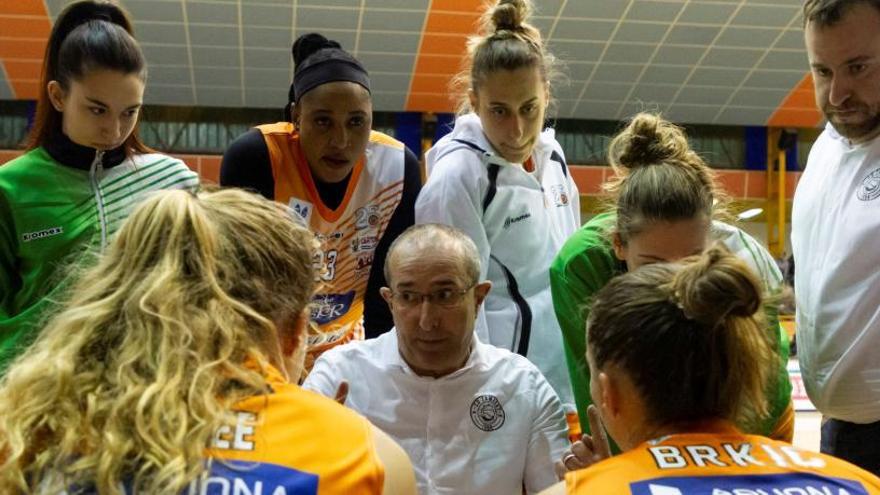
293	442
725	462
348	235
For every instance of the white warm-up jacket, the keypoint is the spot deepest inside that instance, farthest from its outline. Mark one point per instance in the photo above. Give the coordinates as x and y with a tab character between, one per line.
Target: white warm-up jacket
519	220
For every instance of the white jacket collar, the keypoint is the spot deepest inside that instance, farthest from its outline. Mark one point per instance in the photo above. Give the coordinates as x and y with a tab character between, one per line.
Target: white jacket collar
468	129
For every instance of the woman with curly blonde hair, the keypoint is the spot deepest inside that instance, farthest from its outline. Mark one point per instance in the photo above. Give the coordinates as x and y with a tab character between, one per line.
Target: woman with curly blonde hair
168	368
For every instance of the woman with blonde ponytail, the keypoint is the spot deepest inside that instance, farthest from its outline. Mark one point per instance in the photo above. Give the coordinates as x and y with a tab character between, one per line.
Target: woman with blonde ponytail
501	177
680	358
664	205
167	370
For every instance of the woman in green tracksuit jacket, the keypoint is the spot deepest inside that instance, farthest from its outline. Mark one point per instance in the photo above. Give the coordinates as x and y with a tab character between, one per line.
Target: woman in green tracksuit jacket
84	170
664	199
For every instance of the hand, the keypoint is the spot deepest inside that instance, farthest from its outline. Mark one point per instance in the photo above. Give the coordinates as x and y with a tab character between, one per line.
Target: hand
588	450
341	392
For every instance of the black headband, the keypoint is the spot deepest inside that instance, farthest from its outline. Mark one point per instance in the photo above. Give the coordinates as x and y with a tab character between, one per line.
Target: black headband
324	66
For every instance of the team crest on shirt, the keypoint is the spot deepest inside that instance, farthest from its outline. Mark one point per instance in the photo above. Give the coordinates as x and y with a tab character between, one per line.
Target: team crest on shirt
366	217
560	195
870	188
487	413
302	210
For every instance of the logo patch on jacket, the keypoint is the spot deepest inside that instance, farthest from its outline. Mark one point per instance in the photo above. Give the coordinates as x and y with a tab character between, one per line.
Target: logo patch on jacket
487	413
870	188
42	234
560	195
512	220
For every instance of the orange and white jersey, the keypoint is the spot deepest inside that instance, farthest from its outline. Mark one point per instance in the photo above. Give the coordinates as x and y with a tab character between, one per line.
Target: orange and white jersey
721	462
293	442
348	235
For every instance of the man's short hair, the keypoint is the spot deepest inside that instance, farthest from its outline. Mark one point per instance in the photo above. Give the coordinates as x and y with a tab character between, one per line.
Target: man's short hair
434	234
826	13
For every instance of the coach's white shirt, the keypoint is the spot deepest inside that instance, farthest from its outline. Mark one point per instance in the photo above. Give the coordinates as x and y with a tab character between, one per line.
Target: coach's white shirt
491	427
836	241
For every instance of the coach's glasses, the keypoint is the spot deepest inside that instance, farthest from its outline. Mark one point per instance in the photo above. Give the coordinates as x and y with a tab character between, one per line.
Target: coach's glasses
439	297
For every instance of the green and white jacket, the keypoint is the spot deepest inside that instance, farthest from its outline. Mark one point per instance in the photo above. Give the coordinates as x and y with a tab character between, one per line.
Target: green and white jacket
57	202
587	262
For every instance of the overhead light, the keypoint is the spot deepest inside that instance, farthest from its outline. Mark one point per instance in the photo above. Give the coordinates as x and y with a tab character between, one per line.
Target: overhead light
752	213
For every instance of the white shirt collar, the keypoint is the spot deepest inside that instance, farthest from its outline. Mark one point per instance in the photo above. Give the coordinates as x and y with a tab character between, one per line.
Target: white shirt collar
391	356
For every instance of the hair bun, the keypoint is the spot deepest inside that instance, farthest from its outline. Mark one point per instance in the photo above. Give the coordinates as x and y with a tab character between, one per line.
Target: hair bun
648	140
716	285
510	15
307	44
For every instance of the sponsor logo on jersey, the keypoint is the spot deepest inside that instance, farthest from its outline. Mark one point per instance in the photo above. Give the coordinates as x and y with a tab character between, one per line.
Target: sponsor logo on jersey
763	484
560	195
364	243
42	234
870	188
512	220
487	413
329	307
364	261
302	210
366	217
233	477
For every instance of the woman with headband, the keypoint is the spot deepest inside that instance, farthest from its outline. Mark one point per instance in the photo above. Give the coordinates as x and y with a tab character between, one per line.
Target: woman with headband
353	187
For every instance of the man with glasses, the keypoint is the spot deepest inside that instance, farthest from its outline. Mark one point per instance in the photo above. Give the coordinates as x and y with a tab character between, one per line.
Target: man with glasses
472	417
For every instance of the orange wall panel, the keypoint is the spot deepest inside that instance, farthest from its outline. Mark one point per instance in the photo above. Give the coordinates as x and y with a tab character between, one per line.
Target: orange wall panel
23	7
430	83
26	90
28	70
798	109
24	27
457	5
22	48
443	44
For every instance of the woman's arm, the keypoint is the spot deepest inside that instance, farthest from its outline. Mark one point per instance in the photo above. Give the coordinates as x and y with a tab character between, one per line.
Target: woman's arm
246	164
399	476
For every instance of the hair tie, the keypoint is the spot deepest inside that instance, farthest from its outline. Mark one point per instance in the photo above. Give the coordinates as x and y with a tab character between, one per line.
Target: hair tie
676	299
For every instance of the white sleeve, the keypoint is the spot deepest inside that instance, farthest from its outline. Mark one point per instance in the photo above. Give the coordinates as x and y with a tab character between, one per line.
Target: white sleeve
452	196
575	199
324	377
758	258
549	437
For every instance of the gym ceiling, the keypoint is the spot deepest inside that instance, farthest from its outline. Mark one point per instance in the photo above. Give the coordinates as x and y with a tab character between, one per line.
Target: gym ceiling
731	62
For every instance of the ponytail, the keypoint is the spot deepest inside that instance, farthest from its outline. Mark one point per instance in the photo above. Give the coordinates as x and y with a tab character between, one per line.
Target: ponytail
691	336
